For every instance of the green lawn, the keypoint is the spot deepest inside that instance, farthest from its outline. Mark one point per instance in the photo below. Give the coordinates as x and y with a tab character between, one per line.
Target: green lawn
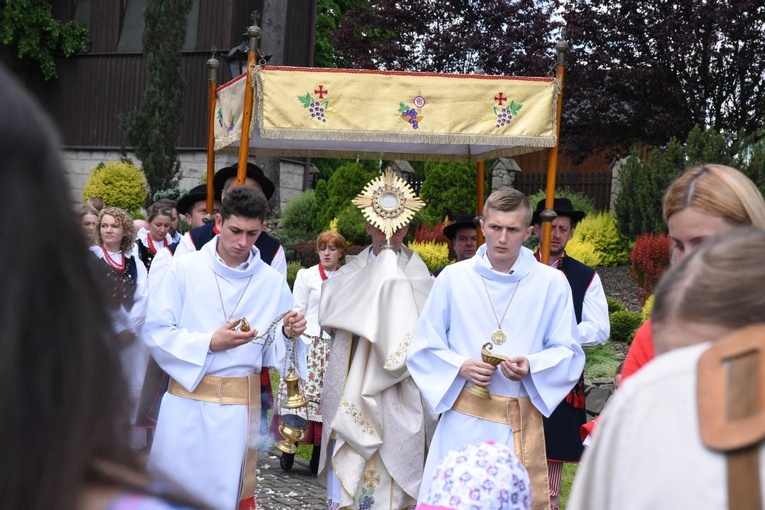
569	470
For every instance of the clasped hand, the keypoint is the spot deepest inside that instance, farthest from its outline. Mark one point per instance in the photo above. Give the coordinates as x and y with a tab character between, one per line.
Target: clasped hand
480	372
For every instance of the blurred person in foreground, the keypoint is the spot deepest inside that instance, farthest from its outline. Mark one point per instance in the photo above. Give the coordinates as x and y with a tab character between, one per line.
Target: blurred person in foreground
485	476
64	404
658	445
704	201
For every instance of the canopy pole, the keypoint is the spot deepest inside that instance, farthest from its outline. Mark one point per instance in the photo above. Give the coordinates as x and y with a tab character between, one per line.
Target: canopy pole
548	215
479	186
244	142
212	66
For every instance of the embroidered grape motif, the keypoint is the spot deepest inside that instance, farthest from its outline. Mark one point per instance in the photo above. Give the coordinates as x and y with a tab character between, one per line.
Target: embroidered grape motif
503	118
505	115
317	111
412	114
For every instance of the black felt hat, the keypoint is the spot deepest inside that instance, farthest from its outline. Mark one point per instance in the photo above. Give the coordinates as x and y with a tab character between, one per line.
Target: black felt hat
562	207
187	201
253	171
467	221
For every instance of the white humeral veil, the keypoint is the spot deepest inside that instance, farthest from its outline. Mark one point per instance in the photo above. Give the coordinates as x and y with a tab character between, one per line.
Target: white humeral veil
377	426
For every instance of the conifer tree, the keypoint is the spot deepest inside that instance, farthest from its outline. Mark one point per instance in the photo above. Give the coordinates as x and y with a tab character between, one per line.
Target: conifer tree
153	128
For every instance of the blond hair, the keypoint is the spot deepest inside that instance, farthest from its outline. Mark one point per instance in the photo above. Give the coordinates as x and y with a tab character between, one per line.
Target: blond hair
125	221
508	199
717	190
720	282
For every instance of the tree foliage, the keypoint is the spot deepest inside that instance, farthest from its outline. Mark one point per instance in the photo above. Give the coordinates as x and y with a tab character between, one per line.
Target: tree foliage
154	127
638	205
328	15
511	37
649	71
29	32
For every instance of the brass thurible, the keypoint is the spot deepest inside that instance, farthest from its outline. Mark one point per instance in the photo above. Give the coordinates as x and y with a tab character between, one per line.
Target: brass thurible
292	427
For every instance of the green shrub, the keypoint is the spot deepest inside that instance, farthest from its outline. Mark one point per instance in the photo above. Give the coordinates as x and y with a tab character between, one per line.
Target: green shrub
297	218
174	193
623	325
638	206
320	198
647	308
118	184
346	182
292	271
600	361
448	191
583	251
600	230
614	305
435	255
352	225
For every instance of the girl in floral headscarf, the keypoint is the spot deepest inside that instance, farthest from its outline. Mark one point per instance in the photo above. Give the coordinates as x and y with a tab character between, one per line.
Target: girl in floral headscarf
484	476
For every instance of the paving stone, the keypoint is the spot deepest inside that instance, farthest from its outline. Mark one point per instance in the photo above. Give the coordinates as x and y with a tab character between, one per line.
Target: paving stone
281	490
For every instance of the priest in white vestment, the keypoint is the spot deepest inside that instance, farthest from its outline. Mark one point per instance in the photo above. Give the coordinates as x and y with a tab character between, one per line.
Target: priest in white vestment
505	303
207	432
377	426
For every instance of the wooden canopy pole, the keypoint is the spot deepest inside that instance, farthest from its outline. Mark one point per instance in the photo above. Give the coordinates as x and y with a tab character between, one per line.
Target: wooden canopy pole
548	215
244	142
479	198
212	66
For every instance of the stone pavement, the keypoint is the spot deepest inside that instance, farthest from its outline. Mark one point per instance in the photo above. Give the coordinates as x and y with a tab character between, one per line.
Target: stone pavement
278	489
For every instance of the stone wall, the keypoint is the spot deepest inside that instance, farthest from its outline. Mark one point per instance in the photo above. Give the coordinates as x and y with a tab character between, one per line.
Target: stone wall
80	163
597	392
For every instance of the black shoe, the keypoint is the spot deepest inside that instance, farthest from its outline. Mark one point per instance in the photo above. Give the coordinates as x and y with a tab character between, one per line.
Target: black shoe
315	456
286	461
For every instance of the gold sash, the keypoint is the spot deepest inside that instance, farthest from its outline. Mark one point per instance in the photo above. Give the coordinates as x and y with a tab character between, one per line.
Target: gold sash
528	435
233	391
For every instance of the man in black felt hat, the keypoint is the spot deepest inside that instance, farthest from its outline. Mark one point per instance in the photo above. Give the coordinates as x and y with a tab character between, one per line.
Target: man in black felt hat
463	234
224	181
562	437
193	206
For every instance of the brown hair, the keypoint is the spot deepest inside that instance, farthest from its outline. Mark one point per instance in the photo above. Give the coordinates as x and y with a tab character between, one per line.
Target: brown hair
508	199
329	238
717	190
720	282
125	221
159	208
